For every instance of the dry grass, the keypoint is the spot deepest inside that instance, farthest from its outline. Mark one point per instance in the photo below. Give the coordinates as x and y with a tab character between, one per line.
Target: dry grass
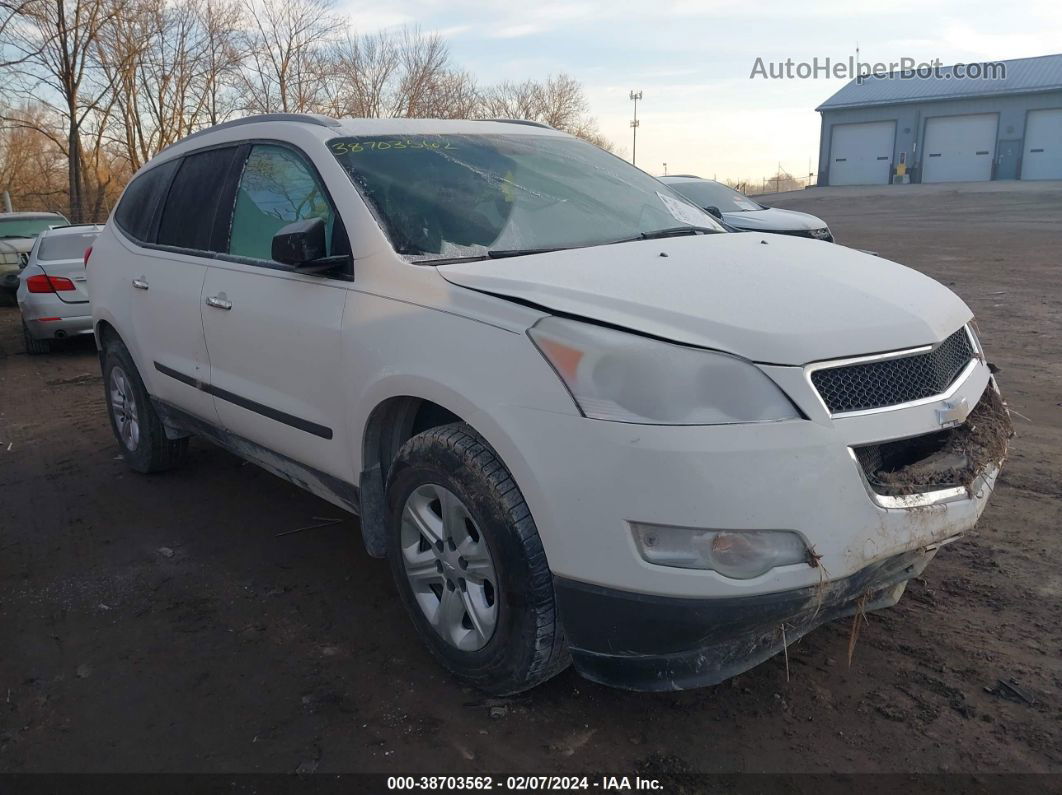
980	442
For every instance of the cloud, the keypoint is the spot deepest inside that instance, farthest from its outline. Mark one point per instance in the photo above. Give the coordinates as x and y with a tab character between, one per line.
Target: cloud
515	31
1042	40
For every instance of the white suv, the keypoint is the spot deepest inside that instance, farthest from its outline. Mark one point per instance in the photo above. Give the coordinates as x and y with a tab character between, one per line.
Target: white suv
582	421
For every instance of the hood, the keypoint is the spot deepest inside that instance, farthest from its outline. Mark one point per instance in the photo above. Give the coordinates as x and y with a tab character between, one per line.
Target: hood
16	245
774	220
776	300
12	251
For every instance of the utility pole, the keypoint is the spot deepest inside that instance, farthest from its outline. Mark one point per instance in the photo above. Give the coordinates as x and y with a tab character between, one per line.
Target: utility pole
634	127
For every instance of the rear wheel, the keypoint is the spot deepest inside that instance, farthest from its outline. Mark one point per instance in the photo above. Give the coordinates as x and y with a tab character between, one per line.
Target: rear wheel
141	436
469	564
34	346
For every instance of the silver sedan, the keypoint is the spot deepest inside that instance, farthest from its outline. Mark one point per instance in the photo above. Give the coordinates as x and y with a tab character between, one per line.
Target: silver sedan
51	293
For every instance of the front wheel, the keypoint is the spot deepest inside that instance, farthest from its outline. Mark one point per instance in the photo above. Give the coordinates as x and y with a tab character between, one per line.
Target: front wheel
141	436
469	564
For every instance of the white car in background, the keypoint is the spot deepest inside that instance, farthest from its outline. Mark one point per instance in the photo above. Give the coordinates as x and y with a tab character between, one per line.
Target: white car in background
17	233
52	293
744	214
581	421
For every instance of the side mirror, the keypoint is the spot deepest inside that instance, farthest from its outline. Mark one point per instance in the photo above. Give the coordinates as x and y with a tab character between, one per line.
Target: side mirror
301	243
714	211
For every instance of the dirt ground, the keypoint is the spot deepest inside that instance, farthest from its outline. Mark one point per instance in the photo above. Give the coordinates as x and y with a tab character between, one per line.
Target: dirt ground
162	624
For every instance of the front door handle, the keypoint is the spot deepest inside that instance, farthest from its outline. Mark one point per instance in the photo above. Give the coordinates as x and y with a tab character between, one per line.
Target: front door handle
140	283
219	301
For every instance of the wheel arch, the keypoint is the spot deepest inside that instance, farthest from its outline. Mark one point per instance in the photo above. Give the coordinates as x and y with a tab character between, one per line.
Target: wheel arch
393	420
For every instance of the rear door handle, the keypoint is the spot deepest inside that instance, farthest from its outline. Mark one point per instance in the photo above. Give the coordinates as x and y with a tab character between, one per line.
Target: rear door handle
140	284
219	302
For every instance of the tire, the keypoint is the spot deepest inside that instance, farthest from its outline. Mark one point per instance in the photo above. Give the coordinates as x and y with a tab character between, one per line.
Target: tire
142	442
526	646
35	347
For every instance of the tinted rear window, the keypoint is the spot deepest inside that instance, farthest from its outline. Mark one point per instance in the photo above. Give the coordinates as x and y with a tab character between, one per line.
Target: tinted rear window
141	199
188	217
72	246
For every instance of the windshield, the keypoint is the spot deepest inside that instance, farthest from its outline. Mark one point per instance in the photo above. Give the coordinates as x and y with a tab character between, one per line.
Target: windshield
28	227
454	196
71	246
706	193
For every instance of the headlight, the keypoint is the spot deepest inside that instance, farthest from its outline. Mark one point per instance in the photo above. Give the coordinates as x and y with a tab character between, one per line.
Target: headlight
741	555
820	234
623	377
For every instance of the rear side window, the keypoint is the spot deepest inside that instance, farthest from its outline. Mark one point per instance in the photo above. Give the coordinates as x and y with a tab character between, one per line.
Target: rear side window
69	246
188	215
141	199
276	189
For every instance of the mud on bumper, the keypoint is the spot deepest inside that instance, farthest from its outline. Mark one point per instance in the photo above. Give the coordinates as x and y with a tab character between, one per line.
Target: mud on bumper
652	643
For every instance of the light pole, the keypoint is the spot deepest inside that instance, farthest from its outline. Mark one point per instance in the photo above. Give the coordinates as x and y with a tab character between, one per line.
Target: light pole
634	127
665	169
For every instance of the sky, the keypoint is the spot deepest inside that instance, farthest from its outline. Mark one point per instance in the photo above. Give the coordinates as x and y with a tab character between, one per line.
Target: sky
701	113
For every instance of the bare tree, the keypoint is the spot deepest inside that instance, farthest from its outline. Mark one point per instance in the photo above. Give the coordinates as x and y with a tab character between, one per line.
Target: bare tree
55	41
284	45
361	75
168	62
100	86
32	165
424	58
396	73
222	56
558	101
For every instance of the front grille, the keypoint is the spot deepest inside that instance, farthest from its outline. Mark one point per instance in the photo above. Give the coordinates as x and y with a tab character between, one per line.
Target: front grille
888	382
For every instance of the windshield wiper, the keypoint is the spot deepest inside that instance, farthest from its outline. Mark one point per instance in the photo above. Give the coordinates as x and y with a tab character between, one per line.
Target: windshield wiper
676	231
671	231
501	253
496	253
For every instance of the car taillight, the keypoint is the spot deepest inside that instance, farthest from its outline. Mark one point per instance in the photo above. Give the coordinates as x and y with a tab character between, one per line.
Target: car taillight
88	253
40	283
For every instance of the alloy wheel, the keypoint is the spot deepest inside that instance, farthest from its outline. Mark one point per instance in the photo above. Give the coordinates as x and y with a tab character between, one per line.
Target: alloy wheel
124	409
449	567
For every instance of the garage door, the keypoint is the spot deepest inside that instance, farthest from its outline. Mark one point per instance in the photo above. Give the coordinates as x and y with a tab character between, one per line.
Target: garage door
959	148
861	154
1041	157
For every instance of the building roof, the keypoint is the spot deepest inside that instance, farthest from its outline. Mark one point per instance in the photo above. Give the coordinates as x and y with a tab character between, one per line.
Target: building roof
1023	76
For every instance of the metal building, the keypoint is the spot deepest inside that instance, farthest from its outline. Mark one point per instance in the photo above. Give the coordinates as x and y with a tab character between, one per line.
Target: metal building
945	128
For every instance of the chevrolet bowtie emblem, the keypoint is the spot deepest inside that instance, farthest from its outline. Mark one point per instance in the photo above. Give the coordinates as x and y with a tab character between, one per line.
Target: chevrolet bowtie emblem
952	412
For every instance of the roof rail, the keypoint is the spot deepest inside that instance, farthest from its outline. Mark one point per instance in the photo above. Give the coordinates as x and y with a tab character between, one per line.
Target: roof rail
684	176
526	122
304	118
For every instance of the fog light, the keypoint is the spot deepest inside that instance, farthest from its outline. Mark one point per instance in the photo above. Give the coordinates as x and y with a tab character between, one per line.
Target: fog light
740	554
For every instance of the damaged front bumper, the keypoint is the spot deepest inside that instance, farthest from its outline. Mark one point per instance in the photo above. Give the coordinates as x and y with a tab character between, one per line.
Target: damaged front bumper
654	643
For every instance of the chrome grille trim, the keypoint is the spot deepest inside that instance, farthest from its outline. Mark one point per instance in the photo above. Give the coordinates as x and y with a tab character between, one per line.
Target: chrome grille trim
976	356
